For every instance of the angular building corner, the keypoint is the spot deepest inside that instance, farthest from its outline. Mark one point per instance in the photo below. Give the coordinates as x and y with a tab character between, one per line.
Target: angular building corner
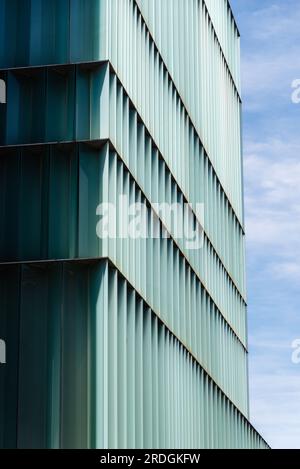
121	343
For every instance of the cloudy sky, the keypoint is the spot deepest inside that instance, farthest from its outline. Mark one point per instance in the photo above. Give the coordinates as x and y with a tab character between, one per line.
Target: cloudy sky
270	32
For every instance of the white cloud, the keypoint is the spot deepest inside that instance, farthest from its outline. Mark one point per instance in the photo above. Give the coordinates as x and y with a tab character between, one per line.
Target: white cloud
270	59
272	197
274	22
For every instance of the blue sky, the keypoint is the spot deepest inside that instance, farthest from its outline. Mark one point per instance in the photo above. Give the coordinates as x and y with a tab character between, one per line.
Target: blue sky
270	62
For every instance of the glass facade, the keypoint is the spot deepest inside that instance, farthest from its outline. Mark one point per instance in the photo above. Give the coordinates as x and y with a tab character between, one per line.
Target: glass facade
121	343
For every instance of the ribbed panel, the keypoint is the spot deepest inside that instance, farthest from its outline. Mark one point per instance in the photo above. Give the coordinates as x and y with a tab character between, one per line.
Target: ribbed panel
227	32
223	233
44	387
200	77
39	32
101	369
176	22
172	287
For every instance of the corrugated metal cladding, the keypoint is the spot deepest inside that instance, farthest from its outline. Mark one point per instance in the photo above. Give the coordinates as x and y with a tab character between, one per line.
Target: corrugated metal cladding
125	343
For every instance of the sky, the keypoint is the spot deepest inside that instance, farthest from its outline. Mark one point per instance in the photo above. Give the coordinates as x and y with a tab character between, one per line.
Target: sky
270	43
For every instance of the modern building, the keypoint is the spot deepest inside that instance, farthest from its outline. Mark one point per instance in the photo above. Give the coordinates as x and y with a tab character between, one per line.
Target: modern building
121	342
